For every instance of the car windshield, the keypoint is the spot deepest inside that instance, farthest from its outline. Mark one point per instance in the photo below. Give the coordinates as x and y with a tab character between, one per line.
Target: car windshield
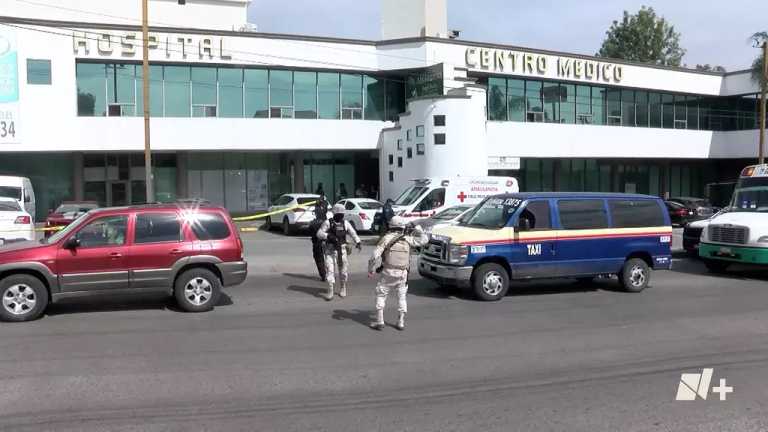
410	195
692	202
370	205
9	206
58	235
76	208
494	212
10	192
451	213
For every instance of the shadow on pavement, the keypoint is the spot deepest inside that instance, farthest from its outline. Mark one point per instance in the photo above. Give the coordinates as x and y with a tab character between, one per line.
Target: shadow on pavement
312	291
303	276
108	303
359	316
734	272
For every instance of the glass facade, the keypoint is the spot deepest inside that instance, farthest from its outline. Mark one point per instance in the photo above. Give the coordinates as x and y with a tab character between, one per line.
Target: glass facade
50	173
697	178
114	89
529	100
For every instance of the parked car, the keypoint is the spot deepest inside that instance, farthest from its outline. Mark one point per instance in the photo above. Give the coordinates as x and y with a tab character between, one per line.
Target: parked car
15	223
683	210
187	252
545	235
449	216
692	236
20	189
295	219
66	213
360	212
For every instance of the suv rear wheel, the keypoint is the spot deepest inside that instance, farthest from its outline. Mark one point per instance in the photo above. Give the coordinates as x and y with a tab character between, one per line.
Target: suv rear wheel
197	290
287	228
24	298
490	282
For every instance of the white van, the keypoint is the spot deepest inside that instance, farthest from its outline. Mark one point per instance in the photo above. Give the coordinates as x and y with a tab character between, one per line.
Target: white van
431	195
20	189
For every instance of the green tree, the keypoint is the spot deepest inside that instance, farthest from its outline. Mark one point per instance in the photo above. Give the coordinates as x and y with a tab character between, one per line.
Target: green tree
709	68
757	65
643	37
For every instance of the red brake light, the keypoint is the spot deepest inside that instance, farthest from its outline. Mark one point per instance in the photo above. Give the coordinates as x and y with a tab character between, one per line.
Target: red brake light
681	212
363	216
23	220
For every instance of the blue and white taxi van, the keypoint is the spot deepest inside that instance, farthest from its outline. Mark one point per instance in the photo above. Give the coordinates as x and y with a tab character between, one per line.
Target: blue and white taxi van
526	236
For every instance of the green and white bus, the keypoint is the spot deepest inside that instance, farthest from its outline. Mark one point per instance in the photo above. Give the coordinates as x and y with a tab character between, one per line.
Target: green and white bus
739	234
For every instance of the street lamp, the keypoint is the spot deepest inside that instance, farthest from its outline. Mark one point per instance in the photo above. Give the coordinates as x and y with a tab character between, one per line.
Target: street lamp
761	41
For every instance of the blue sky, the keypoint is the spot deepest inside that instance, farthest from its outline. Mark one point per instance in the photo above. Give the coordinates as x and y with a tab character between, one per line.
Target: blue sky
713	31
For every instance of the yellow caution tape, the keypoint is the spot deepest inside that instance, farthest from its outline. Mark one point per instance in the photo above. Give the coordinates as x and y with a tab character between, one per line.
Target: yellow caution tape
263	215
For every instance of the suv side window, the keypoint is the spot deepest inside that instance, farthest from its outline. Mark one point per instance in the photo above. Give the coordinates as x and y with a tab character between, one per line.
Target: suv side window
283	200
105	231
350	205
157	228
582	214
537	213
635	213
209	226
433	200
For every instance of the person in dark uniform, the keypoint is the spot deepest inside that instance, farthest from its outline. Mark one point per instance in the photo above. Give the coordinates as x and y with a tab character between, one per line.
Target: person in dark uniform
321	214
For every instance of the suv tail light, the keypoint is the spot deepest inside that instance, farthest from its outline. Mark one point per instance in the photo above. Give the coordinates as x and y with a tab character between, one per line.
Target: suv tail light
23	220
240	246
363	216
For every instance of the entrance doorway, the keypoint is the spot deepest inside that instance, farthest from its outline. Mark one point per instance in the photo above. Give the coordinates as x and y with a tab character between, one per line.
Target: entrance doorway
118	194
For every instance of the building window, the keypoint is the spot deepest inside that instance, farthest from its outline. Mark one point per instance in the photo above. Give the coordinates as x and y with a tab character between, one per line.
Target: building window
439	120
121	90
351	97
419	131
420	149
230	92
399	144
391	176
439	138
177	91
613	107
534	111
280	94
497	98
204	91
410	152
408	134
328	95
391	159
256	84
305	95
399	161
38	72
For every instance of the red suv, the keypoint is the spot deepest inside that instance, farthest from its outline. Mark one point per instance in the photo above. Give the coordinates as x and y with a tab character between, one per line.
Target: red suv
188	251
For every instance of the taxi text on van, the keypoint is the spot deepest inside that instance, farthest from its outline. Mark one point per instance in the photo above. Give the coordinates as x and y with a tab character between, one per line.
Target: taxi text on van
527	236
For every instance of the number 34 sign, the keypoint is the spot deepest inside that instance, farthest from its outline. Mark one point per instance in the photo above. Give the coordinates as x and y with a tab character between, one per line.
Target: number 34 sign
9	88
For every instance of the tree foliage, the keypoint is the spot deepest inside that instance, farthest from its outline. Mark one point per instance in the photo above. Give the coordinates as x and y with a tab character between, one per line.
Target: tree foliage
709	68
757	64
643	37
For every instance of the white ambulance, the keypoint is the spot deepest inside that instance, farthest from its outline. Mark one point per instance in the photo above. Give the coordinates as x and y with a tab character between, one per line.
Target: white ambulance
431	195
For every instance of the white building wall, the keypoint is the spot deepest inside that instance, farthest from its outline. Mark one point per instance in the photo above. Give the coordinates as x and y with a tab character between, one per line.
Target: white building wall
464	153
739	83
413	18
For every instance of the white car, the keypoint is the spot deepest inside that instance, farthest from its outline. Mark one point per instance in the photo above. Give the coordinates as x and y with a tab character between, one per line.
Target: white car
295	219
15	223
449	216
360	211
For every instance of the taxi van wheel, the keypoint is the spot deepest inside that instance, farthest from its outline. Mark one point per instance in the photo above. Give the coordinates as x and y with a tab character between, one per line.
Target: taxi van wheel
635	275
715	266
197	290
490	282
22	298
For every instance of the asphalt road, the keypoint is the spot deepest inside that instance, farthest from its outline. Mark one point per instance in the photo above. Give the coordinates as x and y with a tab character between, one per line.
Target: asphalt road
273	356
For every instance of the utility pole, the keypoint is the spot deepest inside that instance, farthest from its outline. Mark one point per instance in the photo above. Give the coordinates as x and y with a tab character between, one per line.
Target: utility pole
763	91
145	90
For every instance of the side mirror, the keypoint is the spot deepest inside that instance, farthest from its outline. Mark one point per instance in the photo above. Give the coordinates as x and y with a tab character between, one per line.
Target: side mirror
524	224
72	243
